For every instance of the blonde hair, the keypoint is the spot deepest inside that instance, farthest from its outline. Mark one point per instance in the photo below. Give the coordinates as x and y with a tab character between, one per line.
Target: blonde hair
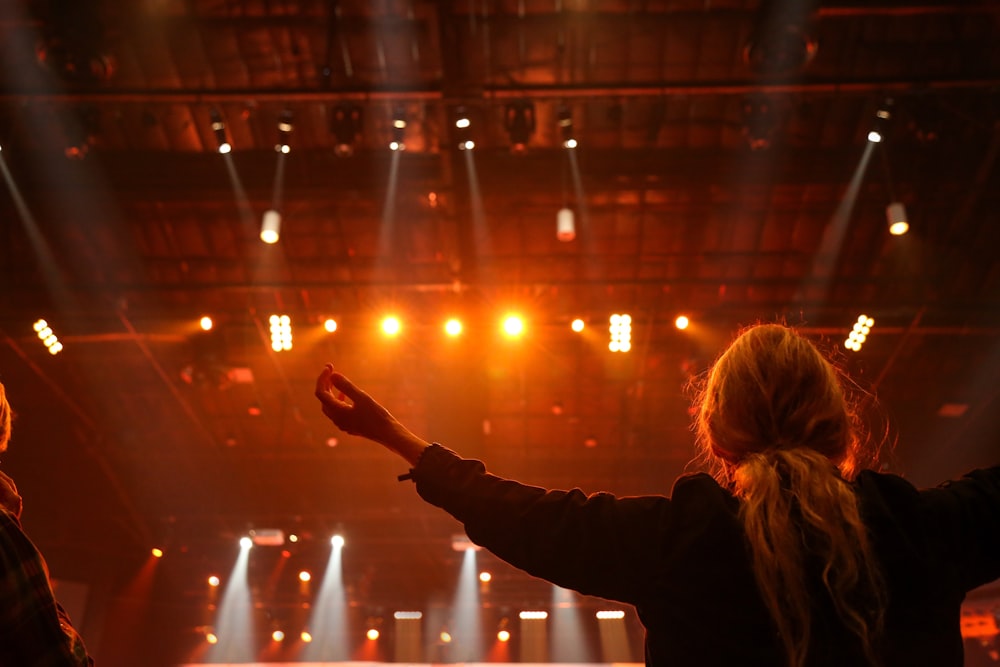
774	418
5	418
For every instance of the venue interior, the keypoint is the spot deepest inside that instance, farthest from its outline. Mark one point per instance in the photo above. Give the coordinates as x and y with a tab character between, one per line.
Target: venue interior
568	208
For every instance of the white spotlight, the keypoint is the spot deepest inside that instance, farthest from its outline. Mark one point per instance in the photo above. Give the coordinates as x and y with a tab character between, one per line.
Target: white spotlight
337	541
245	543
565	225
270	226
895	215
874	136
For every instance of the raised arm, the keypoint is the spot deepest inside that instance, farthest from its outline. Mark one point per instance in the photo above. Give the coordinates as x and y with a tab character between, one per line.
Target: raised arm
355	412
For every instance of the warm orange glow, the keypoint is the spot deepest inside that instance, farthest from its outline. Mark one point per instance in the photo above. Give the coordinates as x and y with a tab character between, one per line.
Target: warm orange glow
213	581
278	635
503	636
306	637
445	636
157	553
485	576
577	325
391	325
682	322
206	323
372	634
513	325
304	575
330	325
453	327
211	638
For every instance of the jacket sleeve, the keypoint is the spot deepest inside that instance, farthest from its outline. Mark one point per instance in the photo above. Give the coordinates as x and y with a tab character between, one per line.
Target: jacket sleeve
595	544
963	518
34	630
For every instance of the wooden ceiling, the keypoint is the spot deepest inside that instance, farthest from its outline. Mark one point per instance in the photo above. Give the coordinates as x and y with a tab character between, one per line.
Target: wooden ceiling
722	171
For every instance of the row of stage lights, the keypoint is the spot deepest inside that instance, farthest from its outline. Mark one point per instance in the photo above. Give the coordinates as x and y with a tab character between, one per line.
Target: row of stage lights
345	125
373	633
512	325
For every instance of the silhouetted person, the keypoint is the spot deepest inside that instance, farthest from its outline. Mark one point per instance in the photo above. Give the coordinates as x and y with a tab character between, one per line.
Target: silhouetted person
788	555
34	630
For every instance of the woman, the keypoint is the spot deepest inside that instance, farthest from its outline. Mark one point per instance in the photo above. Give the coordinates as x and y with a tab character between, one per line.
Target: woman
785	557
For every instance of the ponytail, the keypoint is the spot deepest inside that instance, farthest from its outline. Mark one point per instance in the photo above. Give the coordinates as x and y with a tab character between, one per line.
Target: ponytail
792	498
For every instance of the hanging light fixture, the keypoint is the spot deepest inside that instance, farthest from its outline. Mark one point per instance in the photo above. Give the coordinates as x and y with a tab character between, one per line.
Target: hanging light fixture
219	130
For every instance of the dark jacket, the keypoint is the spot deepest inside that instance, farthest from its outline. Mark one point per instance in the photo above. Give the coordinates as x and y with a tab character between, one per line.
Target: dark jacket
684	563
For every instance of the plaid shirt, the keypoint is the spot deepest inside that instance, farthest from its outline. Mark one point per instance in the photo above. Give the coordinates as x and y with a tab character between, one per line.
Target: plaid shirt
34	629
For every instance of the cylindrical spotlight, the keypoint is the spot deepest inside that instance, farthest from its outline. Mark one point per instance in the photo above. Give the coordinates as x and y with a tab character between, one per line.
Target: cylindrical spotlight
565	225
895	216
270	226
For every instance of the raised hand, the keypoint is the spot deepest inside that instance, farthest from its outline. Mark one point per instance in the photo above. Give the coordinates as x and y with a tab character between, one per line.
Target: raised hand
353	411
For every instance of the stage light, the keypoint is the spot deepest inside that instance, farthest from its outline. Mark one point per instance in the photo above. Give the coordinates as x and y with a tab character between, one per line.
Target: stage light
281	332
293	538
157	552
285	128
462	122
372	634
453	327
519	121
874	136
398	142
513	326
463	125
48	337
533	615
565	122
895	215
485	577
610	614
882	116
503	635
565	225
445	637
306	636
337	541
219	130
270	226
391	326
211	638
304	576
245	543
859	333
577	325
620	330
407	615
682	322
206	323
213	581
278	635
330	325
467	145
345	124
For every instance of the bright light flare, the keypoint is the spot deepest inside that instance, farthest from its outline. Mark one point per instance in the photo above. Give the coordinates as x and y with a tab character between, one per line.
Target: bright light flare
445	637
372	634
330	325
304	576
206	323
875	136
682	322
859	333
157	552
513	326
503	636
278	635
306	636
211	638
245	543
533	615
610	614
453	327
577	325
337	540
213	581
391	326
485	577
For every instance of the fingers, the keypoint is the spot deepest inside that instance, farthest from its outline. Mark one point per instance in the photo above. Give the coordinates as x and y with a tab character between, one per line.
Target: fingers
346	387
